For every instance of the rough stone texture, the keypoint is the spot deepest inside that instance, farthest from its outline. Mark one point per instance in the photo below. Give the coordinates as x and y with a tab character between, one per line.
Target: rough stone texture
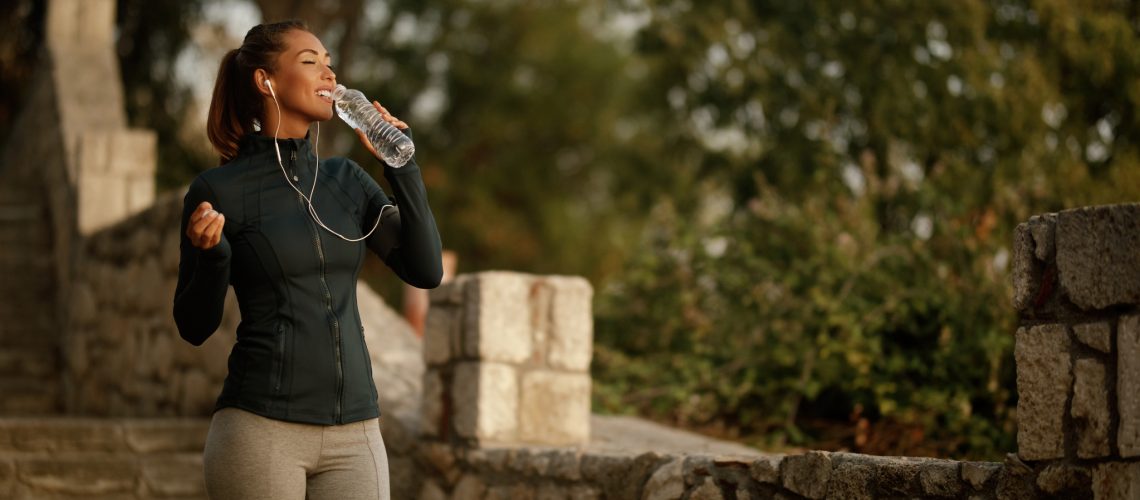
1090	408
433	422
496	309
572	323
1095	335
667	483
555	408
441	325
1025	269
1044	376
706	491
470	487
976	474
432	491
940	479
1059	478
485	399
1116	481
1096	255
1128	385
807	474
766	469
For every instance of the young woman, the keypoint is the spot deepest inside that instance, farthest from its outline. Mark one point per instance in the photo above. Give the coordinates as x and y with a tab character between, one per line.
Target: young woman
297	416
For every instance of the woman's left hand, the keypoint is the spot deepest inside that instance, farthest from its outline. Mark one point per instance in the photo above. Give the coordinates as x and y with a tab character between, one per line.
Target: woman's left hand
396	122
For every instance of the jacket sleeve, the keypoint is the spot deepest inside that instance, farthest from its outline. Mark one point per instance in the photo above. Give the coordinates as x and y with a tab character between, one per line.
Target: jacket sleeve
407	239
203	275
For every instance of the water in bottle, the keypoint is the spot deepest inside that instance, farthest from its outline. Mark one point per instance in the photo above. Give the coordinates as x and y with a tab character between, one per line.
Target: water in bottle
394	147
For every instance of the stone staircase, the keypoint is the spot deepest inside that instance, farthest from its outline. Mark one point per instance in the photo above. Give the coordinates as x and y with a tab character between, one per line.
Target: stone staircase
101	458
29	331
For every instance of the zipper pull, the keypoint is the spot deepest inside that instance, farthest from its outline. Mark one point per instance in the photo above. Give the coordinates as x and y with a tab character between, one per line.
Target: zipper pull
293	164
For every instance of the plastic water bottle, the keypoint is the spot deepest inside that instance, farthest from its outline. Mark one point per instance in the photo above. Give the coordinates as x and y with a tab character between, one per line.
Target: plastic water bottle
394	147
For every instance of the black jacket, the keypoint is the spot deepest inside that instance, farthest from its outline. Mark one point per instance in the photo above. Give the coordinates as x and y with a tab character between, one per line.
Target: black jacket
300	354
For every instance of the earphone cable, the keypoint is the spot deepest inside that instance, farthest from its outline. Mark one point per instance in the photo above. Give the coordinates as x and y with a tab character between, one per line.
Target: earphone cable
316	174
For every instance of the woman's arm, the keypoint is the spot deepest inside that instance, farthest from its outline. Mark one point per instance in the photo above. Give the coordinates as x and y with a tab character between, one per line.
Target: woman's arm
407	239
203	274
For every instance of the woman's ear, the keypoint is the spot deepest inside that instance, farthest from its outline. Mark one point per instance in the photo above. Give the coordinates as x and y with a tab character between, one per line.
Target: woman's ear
261	80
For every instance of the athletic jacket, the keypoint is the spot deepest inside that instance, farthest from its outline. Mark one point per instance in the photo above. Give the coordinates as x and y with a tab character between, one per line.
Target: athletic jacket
300	354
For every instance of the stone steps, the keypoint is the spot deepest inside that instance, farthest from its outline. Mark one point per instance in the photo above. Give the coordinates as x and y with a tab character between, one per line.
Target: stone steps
69	457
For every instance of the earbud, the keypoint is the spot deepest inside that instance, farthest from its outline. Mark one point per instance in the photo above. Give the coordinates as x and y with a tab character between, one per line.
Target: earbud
270	85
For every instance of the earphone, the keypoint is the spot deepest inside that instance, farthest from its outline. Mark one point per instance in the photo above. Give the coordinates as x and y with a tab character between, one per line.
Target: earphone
316	174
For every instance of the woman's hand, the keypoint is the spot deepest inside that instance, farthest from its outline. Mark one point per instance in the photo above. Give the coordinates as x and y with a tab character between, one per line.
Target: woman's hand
396	122
205	226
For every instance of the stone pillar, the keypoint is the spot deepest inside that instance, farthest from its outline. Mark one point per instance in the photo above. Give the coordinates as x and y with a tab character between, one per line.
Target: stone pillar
1076	281
110	166
508	358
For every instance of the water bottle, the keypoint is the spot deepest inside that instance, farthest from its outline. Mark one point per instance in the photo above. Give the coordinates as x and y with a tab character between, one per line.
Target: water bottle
394	147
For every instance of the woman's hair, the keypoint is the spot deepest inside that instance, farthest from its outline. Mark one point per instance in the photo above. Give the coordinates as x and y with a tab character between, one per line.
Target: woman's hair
236	103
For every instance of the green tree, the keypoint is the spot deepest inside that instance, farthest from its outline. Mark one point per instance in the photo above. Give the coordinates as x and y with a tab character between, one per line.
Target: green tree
861	168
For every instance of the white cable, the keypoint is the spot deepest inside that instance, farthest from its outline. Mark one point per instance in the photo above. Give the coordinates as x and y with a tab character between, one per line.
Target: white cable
316	174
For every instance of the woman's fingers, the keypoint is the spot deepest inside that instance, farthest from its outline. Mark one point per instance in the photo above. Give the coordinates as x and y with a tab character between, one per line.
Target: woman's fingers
396	122
205	226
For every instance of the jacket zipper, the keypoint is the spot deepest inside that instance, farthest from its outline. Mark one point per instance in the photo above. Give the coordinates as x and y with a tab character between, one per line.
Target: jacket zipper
328	306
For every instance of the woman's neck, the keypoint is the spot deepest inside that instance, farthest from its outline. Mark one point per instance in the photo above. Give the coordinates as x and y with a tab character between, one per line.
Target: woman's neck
291	126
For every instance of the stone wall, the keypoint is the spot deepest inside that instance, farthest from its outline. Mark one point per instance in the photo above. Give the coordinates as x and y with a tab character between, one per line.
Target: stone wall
1076	289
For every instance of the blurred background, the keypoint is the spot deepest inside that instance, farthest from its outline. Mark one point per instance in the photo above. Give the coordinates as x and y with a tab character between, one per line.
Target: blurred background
797	216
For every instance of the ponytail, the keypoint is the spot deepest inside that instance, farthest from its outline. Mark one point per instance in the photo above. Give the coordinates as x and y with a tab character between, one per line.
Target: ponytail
236	104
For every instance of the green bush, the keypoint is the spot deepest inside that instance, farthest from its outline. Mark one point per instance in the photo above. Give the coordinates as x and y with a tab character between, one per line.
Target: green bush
780	312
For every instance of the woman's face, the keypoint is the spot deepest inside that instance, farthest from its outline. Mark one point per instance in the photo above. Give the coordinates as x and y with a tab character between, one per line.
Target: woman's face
304	79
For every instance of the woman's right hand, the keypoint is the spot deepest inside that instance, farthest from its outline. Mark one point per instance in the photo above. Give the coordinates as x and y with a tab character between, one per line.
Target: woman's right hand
205	226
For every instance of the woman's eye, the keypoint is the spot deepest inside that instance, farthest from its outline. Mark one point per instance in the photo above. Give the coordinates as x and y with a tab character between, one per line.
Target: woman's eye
331	68
309	62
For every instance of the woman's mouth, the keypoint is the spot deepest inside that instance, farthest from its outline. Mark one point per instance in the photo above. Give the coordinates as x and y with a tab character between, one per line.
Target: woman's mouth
325	94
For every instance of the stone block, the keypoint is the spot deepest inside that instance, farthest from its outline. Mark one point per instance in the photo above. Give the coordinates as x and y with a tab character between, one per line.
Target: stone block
140	193
55	436
404	476
432	491
565	464
571	336
707	490
102	201
1097	261
850	480
1065	480
1025	269
620	475
807	474
555	408
1090	408
940	479
1044	377
666	483
485	401
133	154
976	474
1116	481
174	476
766	469
470	487
497	317
440	329
1128	385
433	423
1095	335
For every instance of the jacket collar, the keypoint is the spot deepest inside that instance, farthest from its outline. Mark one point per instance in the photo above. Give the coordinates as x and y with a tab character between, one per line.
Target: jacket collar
252	144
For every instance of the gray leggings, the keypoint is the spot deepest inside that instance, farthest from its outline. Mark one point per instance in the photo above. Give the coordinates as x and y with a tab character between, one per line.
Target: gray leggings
253	457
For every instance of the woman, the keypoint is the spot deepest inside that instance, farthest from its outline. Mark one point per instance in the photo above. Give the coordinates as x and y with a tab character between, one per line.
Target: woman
297	416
